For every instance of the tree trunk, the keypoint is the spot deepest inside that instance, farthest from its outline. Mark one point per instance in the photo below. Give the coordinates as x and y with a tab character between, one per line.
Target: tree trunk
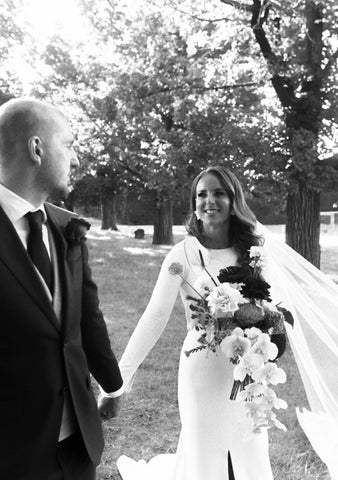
163	231
303	116
303	223
108	210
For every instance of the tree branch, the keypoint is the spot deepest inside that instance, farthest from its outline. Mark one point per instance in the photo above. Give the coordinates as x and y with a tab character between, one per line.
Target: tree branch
281	83
196	87
196	17
238	5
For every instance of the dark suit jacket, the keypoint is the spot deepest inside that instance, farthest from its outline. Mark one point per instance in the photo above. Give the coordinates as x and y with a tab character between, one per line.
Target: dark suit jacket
39	358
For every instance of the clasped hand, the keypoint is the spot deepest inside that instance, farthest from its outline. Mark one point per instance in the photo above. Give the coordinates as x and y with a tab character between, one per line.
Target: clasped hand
109	407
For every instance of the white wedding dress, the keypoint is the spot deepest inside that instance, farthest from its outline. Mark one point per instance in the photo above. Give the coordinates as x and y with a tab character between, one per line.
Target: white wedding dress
210	420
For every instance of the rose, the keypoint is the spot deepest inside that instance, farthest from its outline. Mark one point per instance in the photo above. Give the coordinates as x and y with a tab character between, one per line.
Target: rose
234	274
223	300
76	230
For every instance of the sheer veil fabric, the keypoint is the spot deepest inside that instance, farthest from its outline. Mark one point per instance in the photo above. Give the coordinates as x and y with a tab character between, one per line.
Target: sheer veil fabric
312	298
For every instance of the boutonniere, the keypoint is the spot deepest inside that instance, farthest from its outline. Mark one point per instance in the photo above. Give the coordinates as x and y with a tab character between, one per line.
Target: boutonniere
76	230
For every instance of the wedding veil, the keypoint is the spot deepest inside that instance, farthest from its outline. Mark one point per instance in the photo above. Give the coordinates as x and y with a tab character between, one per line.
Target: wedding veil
312	298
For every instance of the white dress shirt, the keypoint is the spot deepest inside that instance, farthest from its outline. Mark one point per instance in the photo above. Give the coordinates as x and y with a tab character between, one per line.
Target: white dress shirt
16	208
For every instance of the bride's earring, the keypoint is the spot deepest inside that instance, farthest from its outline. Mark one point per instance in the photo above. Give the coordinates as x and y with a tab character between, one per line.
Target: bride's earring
197	215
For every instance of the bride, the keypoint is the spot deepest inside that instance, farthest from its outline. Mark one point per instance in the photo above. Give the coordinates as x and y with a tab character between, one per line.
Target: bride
210	447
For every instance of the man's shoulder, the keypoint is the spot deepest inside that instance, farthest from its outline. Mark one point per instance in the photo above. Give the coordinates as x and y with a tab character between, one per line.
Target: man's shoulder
61	215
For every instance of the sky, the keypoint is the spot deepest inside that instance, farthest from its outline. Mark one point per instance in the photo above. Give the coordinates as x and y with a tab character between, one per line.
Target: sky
50	16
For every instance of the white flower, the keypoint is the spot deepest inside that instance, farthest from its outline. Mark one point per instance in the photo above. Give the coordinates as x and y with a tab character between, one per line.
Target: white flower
265	347
235	345
270	374
271	400
258	257
251	391
238	331
224	300
204	285
256	252
247	365
252	334
267	306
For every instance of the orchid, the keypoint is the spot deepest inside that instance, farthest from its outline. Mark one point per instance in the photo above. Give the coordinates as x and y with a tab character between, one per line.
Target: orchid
236	345
270	374
271	400
251	391
264	347
247	365
252	334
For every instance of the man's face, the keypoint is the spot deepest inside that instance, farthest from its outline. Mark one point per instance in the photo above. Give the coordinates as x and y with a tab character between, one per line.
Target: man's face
58	157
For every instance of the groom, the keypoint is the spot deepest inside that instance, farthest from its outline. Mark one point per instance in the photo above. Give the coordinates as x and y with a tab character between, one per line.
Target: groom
53	334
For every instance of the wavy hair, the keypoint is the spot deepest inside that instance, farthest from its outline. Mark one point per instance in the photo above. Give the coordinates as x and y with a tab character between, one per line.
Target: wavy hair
242	221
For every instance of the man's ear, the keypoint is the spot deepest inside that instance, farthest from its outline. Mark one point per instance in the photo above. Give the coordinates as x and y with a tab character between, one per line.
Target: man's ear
35	150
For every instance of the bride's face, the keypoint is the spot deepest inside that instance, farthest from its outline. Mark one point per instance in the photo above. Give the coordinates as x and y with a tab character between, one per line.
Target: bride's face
213	205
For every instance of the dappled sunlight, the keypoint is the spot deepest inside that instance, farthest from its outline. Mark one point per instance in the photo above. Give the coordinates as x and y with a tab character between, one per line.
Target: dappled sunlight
95	233
152	252
100	237
329	238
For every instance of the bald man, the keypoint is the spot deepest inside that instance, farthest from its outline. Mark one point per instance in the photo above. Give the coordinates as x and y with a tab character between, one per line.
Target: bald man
53	334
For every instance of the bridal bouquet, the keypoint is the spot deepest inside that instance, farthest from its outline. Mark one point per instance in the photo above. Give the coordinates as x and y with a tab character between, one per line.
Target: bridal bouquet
235	315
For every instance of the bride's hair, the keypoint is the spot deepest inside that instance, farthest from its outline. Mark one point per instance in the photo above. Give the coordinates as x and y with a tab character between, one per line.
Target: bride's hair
242	221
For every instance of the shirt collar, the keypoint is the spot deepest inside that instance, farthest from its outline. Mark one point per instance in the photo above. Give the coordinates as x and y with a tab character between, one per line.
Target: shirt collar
15	206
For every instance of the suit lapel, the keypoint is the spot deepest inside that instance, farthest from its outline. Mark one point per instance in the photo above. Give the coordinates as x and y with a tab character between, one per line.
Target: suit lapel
14	256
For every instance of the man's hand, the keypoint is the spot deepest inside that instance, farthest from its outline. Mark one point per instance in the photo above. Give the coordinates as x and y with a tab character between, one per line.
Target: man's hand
110	407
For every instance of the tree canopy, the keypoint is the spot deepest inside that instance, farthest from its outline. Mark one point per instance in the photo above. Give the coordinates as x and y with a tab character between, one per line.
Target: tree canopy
162	89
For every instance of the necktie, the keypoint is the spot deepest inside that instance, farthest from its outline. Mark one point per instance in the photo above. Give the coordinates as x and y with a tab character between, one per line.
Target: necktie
37	249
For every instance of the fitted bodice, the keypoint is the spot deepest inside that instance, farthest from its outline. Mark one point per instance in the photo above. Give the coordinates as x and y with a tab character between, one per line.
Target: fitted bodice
215	261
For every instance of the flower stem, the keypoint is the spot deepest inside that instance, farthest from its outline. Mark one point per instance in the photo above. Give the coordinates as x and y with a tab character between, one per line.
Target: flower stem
205	268
194	289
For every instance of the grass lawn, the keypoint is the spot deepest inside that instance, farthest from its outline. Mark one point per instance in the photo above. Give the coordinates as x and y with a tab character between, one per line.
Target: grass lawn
126	270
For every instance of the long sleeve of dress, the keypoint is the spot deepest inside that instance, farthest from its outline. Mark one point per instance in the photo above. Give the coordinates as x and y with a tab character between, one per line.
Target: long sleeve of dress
154	318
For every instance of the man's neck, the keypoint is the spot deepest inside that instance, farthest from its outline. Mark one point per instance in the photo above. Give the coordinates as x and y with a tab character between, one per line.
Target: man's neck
31	194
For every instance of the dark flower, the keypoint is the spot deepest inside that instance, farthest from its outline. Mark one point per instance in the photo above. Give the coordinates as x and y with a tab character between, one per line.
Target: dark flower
235	274
76	230
257	288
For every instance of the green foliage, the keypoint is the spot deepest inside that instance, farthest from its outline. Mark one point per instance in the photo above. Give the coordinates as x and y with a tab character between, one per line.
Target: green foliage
163	89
